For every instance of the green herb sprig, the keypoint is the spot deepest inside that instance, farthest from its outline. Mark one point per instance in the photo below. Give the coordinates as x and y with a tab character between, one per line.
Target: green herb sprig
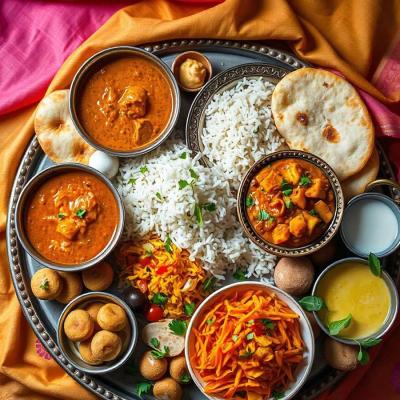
159	354
159	299
374	264
178	327
143	388
335	327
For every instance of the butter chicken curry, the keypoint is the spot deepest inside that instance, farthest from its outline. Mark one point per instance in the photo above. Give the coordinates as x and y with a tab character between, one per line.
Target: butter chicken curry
126	104
71	218
290	203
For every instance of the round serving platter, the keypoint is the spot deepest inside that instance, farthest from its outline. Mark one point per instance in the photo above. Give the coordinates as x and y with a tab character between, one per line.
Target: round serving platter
43	316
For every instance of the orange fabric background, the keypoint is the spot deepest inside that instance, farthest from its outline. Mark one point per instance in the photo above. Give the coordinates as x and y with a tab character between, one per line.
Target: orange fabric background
350	36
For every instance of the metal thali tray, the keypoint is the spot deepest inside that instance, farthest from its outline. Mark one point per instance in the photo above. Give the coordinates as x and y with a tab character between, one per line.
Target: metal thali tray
43	316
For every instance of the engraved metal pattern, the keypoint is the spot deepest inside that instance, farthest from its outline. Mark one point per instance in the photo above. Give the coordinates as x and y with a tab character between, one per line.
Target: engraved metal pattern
15	253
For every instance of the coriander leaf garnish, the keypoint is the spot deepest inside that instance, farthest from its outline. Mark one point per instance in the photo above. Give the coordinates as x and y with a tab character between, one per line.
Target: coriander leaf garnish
210	321
239	275
286	188
374	264
209	284
189	309
44	284
132	180
167	244
249	201
158	195
143	169
178	327
264	216
143	388
159	299
312	303
80	213
288	203
370	342
183	156
209	207
246	354
199	215
335	327
278	395
61	216
185	378
268	323
160	353
235	338
193	174
250	336
305	180
363	356
313	212
183	183
155	342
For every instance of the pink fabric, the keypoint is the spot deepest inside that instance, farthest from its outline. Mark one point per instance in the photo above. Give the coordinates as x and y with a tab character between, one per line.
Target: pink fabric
36	36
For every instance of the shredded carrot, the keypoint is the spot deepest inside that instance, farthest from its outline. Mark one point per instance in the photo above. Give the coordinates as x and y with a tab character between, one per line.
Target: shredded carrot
249	342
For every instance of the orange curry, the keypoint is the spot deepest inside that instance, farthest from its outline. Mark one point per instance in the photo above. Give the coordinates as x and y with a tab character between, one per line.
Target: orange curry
290	203
71	218
126	104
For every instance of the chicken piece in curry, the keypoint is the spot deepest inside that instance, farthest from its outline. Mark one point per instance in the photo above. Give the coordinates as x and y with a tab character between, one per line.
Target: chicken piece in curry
71	218
290	203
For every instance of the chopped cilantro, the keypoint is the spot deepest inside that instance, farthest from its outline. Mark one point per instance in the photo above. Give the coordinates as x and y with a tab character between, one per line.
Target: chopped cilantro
249	201
239	275
313	212
144	169
61	216
167	244
189	309
185	378
143	388
159	299
183	156
80	213
44	284
198	214
178	327
304	180
158	195
286	188
160	353
132	180
183	183
155	342
193	174
209	284
210	207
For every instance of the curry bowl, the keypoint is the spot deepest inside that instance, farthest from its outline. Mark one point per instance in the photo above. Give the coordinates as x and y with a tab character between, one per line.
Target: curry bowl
69	217
129	335
301	370
349	287
124	101
290	203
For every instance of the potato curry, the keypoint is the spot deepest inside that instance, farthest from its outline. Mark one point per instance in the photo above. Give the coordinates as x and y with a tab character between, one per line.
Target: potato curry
126	104
71	218
290	203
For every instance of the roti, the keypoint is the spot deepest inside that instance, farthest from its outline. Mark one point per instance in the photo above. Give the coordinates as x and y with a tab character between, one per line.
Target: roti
56	133
321	113
357	183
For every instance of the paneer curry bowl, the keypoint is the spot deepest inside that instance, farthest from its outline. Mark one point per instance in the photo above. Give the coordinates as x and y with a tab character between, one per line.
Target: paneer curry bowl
124	101
69	217
290	203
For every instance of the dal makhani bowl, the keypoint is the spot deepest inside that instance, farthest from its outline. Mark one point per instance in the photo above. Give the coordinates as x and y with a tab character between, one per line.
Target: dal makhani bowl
290	203
69	217
124	101
249	338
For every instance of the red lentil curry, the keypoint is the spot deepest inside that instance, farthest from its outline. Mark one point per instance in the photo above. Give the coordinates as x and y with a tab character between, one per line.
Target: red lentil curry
290	203
71	218
126	104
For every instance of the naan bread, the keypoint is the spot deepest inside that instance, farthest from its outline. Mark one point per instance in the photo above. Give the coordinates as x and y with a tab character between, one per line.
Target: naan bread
56	132
321	113
357	183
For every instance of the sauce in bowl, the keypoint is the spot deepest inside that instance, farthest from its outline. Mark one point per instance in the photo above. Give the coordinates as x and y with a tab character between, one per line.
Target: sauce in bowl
351	288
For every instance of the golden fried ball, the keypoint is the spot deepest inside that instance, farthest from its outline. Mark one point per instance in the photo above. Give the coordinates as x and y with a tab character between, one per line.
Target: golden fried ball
78	325
72	287
93	310
86	353
152	368
339	355
192	74
100	277
178	369
112	317
46	284
106	346
294	275
167	389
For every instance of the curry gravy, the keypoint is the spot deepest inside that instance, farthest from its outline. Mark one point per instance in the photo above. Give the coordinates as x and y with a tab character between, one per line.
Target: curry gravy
126	104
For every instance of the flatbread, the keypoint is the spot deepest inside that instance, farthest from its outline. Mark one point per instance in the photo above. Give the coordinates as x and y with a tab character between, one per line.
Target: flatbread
56	132
357	183
321	113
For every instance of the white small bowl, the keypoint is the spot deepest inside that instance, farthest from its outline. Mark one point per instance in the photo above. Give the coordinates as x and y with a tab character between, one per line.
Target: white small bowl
302	371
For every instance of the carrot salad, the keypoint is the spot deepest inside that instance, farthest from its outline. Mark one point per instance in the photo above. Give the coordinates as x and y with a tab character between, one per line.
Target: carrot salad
248	346
164	273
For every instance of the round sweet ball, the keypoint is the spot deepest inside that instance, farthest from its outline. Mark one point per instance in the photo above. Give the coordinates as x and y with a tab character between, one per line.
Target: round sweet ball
294	275
99	277
152	368
104	163
178	369
112	317
78	325
324	256
46	284
339	355
105	346
167	388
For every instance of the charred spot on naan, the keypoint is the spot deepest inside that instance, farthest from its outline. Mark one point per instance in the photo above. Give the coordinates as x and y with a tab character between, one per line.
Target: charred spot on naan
302	117
331	134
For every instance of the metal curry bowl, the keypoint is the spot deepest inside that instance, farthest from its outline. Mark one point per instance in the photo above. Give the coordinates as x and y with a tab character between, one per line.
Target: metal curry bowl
129	335
37	181
283	251
92	65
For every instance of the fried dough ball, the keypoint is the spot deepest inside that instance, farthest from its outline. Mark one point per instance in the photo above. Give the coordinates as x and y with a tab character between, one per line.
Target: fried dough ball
86	353
46	284
106	346
323	256
152	368
93	310
99	277
178	369
314	324
167	389
294	275
78	325
339	355
112	317
72	287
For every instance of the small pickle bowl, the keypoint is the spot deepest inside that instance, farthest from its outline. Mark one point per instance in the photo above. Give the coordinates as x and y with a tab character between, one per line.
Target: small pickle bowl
92	65
70	349
391	315
314	245
199	57
303	370
34	184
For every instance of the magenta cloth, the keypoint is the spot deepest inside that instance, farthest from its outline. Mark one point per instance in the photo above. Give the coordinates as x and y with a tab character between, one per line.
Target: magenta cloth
35	39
